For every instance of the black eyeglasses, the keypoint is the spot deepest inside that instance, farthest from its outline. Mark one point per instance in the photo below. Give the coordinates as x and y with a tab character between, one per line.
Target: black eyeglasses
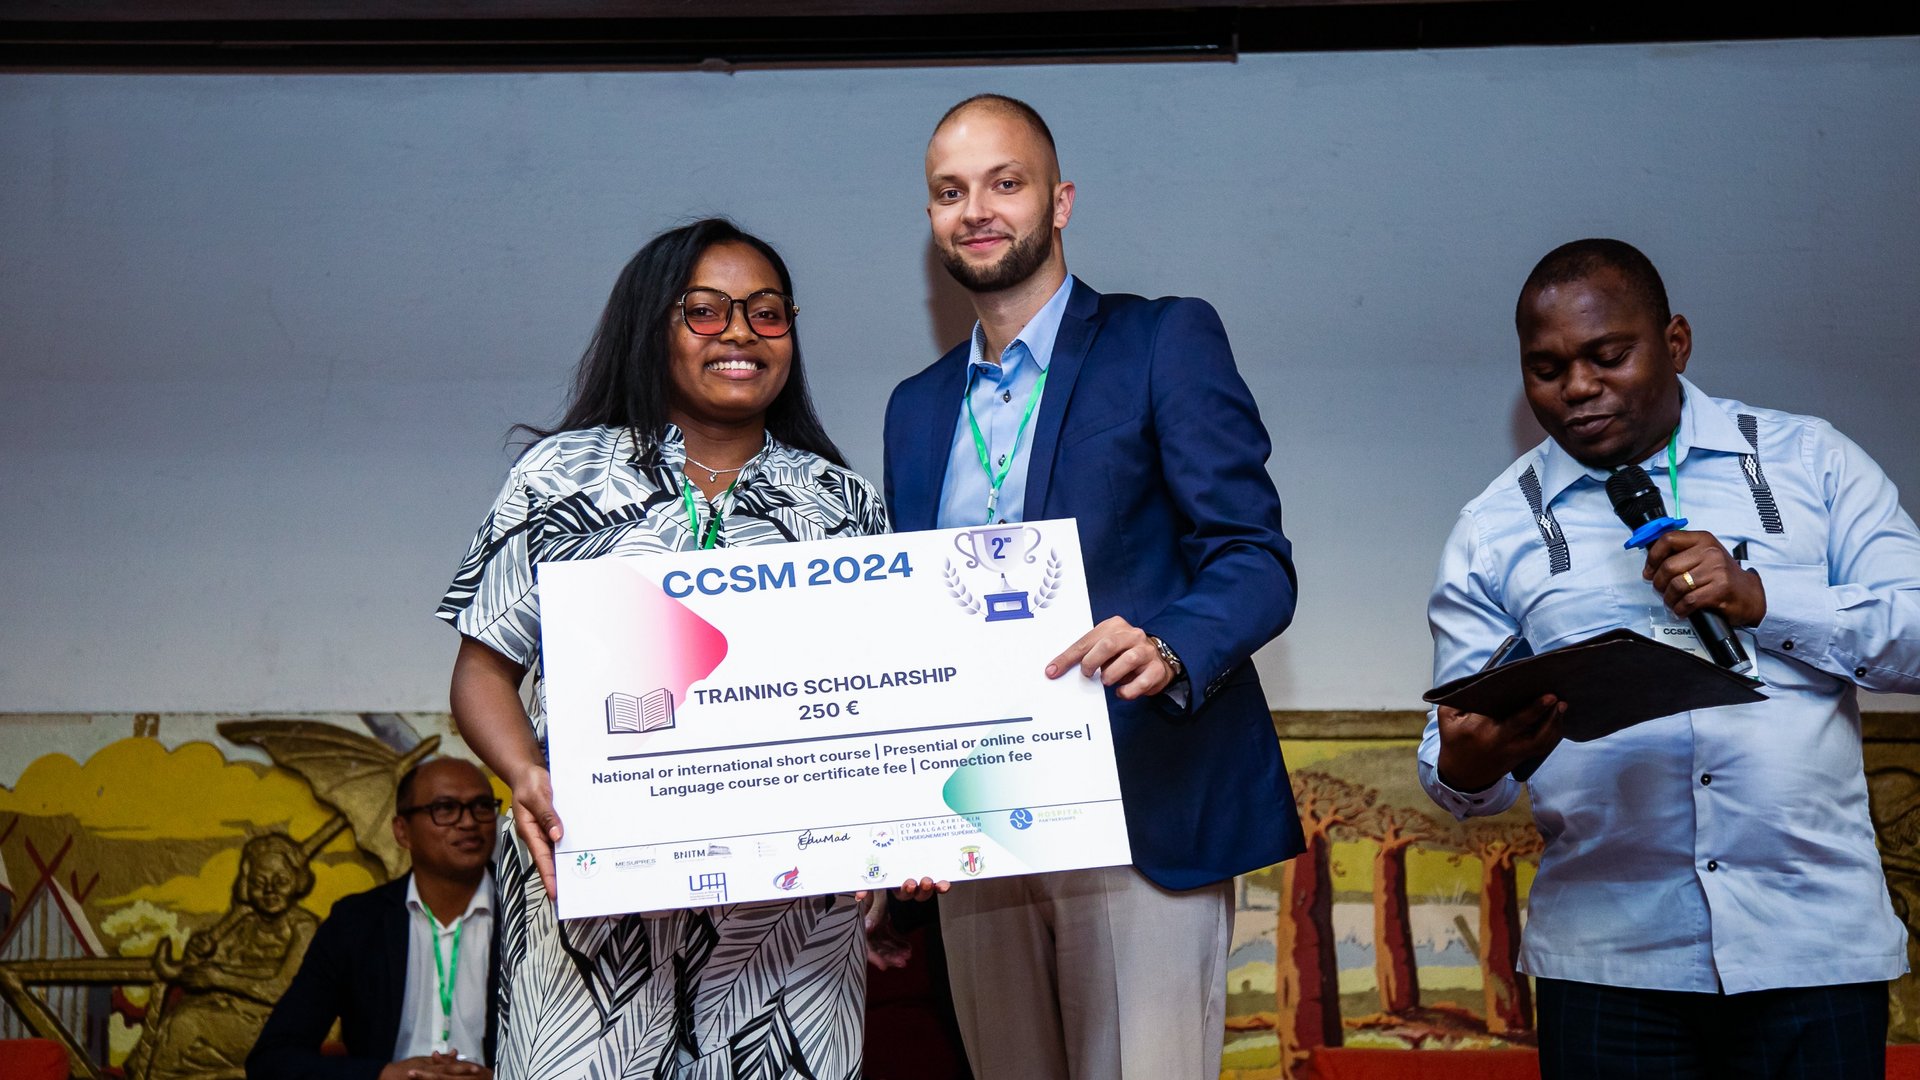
708	312
484	809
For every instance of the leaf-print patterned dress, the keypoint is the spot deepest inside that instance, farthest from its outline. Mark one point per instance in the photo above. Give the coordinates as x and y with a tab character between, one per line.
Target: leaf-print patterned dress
735	992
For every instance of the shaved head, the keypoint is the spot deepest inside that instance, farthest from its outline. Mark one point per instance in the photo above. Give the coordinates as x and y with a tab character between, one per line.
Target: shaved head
995	198
1008	108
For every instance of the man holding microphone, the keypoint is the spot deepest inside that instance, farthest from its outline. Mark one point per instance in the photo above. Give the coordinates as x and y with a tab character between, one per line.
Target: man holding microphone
1710	901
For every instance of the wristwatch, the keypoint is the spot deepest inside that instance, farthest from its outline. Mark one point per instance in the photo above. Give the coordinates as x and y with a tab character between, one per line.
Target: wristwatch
1168	657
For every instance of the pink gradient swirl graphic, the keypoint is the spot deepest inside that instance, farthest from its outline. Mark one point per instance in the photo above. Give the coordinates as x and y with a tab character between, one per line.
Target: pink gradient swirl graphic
686	647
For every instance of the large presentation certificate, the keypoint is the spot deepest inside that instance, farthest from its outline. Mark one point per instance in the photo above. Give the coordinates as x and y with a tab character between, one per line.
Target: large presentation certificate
769	722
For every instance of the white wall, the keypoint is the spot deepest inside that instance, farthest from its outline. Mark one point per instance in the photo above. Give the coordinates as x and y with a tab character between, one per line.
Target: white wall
261	336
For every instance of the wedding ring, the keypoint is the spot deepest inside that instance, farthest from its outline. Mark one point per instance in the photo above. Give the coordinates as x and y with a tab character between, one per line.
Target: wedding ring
1687	576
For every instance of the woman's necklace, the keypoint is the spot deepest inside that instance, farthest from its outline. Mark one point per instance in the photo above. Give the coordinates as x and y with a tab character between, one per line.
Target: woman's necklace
713	474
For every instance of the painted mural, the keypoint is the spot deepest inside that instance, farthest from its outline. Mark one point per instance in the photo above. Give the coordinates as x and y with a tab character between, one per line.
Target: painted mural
160	876
1893	792
1398	928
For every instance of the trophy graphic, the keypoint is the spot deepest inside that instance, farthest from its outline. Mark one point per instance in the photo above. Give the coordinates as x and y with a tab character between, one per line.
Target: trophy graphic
1000	547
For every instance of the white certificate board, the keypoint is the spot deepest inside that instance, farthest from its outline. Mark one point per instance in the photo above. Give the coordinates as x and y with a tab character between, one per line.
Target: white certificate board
757	723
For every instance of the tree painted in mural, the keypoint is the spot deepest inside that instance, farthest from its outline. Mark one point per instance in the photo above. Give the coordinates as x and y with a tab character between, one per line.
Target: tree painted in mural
1500	845
1893	792
1395	830
1376	842
1308	987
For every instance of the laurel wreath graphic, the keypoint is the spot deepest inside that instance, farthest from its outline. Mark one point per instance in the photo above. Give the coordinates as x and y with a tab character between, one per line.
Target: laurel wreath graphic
1049	581
958	590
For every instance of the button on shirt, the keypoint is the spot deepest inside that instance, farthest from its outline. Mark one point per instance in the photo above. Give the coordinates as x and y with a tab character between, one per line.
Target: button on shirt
1654	875
999	392
420	1009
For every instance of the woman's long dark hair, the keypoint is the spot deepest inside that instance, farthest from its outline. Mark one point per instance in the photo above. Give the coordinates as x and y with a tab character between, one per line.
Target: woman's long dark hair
622	378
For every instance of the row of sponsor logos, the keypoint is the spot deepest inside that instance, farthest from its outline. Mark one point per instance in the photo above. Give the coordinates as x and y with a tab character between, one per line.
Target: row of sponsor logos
971	863
880	836
711	887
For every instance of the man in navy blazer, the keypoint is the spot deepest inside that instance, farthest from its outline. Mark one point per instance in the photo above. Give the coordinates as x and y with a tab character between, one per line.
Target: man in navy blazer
1128	415
373	963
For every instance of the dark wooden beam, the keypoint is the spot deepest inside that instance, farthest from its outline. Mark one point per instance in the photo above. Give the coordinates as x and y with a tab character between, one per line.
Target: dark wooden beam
442	34
175	11
452	34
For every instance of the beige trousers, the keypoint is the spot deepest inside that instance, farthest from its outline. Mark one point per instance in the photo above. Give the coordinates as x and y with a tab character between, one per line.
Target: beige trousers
1089	975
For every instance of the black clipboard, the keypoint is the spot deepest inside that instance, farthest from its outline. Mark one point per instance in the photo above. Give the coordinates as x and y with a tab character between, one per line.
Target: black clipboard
1610	682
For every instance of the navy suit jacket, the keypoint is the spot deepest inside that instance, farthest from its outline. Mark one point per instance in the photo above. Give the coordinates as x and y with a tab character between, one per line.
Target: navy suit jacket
355	970
1148	437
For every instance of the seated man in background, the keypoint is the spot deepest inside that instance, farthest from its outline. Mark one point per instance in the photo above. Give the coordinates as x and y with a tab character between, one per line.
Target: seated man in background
407	967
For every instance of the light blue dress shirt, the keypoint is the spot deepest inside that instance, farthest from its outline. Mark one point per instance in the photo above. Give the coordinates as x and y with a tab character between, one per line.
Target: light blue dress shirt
1726	848
1000	391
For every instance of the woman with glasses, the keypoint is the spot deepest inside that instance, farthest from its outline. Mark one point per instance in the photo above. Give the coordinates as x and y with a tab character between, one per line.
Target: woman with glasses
689	427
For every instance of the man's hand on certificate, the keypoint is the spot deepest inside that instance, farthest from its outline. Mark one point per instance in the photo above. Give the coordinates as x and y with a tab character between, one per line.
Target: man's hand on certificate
1123	654
1476	751
924	889
886	947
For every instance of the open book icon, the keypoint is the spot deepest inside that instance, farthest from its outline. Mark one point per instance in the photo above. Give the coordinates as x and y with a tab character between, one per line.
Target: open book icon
628	714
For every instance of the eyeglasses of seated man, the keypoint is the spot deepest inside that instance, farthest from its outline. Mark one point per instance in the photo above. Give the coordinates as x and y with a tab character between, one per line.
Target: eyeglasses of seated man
708	312
484	809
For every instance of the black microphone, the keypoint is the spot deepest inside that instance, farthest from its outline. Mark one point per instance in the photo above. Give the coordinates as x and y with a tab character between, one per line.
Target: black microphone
1637	501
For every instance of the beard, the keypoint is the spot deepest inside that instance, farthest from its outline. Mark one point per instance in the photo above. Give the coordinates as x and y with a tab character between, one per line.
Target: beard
1018	263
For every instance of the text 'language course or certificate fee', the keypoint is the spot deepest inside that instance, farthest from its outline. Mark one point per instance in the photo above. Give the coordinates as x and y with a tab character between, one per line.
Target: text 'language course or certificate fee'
757	723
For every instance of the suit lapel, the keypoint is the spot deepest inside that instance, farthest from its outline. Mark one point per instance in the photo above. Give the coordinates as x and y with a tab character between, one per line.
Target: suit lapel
1070	347
922	509
493	977
395	931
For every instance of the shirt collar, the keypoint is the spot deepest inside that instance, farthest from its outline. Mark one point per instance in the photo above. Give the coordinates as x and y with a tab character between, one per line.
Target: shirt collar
482	900
1038	335
1706	425
1703	424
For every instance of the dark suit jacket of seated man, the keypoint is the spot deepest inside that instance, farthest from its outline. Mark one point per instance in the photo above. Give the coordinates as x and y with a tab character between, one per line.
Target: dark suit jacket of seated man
356	969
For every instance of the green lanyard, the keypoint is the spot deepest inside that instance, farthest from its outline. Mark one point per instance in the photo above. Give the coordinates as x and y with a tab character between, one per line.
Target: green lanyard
707	539
996	480
445	973
1673	471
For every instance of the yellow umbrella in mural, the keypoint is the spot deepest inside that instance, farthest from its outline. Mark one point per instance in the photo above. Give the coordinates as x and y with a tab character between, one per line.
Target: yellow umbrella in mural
348	771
